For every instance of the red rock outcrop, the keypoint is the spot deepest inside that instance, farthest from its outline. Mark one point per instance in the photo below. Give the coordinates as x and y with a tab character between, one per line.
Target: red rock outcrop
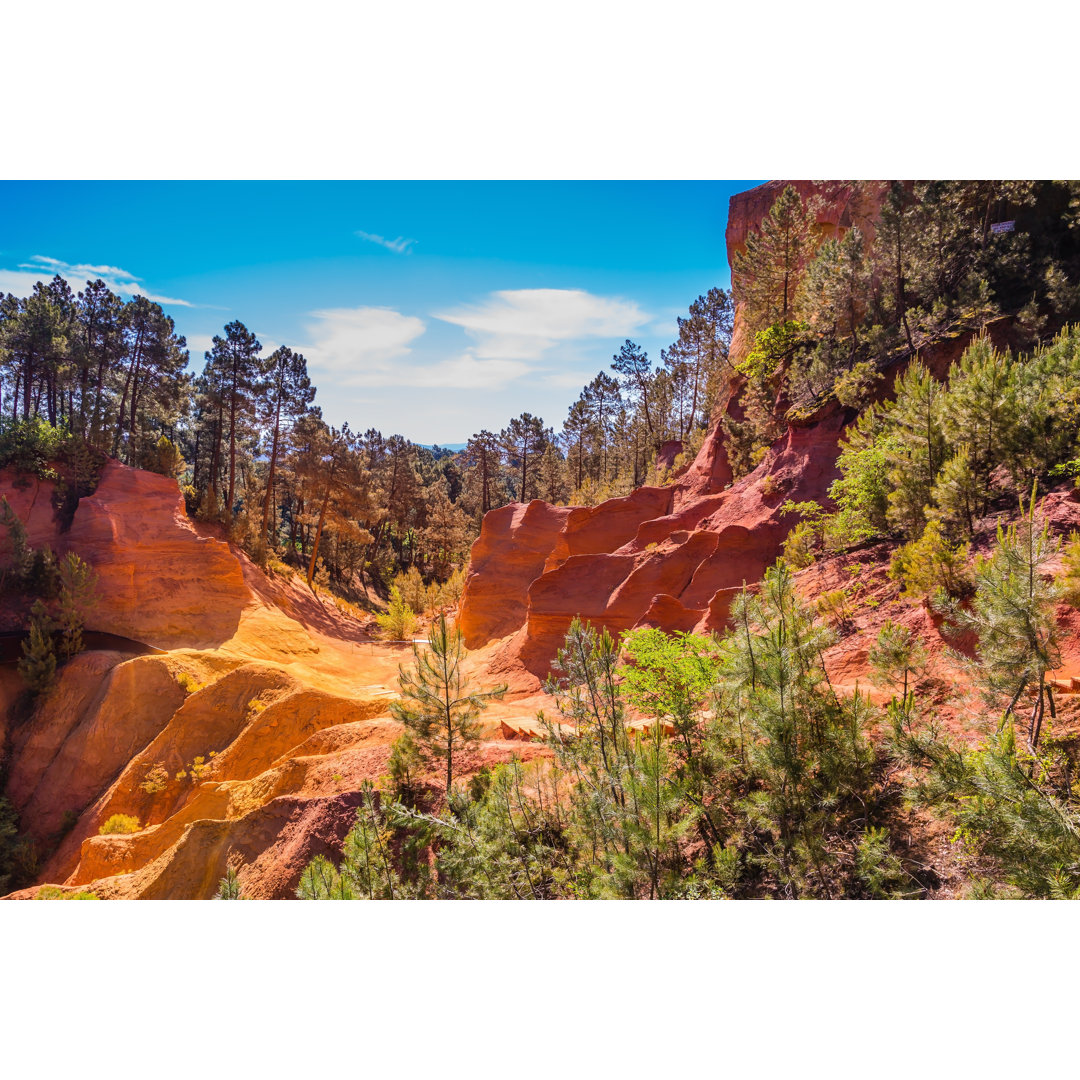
160	580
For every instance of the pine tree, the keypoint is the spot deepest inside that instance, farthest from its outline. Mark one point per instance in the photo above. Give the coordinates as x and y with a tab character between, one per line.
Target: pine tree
234	364
286	393
482	454
22	555
979	412
801	770
523	441
1013	614
1016	810
575	436
914	425
77	593
766	275
957	495
320	881
633	364
437	704
38	664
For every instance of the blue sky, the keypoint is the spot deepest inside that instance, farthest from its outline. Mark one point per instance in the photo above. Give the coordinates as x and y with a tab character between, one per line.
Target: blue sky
431	309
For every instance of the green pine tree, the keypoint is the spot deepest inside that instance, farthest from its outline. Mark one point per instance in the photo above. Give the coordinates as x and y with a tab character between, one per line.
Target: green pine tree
1013	614
38	664
437	704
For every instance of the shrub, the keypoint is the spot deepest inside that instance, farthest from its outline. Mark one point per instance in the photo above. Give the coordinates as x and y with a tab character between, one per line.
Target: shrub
412	589
275	566
806	535
404	766
196	769
120	823
31	446
799	545
399	622
853	387
836	607
52	892
931	563
188	682
771	347
452	589
157	779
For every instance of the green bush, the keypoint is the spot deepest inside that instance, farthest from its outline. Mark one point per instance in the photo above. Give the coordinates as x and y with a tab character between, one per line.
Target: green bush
931	563
404	766
799	545
400	621
412	589
156	779
52	892
187	682
120	823
31	446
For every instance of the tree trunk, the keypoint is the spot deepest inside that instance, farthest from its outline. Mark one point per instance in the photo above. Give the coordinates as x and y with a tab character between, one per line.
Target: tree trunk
319	528
232	451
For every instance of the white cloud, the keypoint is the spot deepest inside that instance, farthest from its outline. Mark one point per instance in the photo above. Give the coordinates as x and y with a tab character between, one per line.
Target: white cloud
44	267
523	324
467	372
361	346
372	347
399	246
199	344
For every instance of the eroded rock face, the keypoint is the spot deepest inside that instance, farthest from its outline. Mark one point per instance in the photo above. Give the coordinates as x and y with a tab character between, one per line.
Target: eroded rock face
159	580
520	543
674	557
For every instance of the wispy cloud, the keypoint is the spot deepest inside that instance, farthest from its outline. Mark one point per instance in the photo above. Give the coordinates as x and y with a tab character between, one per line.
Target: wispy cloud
361	346
373	347
400	245
43	267
523	324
